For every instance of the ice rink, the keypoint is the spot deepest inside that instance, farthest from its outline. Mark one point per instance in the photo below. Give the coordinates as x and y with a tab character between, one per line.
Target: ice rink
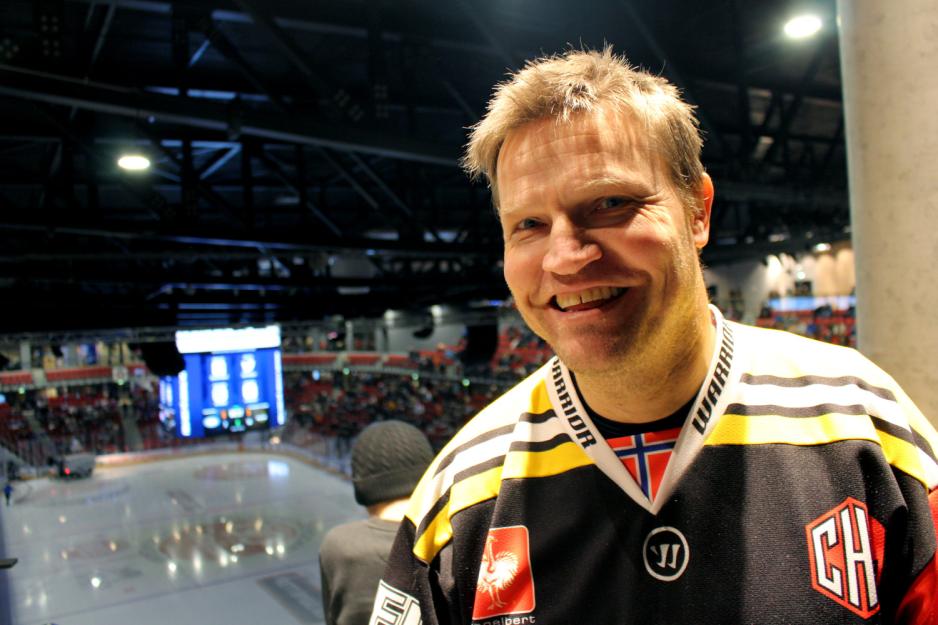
222	538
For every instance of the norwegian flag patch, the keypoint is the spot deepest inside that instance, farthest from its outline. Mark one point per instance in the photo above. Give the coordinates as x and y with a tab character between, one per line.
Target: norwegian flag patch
646	456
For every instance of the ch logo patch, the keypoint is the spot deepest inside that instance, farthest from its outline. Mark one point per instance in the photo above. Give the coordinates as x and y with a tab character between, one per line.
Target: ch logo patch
506	584
666	553
845	546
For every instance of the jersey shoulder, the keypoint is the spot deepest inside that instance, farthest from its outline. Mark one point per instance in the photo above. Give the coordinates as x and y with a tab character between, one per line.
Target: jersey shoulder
796	390
485	437
516	436
783	353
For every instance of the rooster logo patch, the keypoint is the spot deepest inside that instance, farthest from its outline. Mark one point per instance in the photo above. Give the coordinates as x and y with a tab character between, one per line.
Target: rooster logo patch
505	584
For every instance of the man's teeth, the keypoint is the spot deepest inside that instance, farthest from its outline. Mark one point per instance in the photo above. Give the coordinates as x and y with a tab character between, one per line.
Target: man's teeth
590	295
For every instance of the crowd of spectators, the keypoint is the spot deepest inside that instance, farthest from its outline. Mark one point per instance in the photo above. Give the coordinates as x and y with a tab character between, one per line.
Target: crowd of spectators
519	353
40	425
438	395
428	388
336	404
13	426
432	389
824	324
339	405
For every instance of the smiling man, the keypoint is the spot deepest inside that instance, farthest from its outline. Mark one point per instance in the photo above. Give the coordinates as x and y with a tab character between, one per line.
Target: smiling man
601	258
668	466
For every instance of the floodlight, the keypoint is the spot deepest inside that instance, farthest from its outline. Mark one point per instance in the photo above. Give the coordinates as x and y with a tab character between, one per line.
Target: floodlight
802	26
133	162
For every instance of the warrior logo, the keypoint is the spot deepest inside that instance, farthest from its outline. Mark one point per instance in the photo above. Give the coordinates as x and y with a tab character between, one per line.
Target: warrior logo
666	553
845	546
506	585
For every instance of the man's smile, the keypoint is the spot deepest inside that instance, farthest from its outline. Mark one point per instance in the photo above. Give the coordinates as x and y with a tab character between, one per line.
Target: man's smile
586	299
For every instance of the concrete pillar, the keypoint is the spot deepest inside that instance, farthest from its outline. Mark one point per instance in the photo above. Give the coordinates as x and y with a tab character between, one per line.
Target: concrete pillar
349	336
26	355
70	355
889	56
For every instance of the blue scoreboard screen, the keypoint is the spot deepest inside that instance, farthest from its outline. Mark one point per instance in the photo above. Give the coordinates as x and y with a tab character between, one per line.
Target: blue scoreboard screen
232	382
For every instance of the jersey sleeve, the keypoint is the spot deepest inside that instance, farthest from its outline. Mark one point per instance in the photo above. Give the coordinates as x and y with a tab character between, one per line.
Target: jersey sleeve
933	502
407	589
920	604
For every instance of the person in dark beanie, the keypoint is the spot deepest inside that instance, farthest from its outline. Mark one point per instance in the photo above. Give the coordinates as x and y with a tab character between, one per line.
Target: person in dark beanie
388	459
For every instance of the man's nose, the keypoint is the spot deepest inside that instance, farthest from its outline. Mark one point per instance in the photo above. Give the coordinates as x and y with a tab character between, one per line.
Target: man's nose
569	252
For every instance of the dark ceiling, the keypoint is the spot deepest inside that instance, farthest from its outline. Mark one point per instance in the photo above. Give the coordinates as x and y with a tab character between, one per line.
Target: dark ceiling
305	153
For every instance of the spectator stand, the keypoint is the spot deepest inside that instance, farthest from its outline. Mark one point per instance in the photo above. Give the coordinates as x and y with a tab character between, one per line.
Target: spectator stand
823	324
331	396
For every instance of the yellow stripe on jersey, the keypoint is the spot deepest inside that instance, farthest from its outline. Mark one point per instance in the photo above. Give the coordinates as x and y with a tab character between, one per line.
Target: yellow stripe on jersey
434	485
472	490
540	400
904	456
919	424
734	429
484	486
562	458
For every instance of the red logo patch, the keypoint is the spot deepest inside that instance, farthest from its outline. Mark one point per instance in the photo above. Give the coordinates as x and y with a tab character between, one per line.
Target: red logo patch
846	550
506	585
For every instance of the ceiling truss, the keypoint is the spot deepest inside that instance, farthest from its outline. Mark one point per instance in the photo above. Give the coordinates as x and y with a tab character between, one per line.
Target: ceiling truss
306	164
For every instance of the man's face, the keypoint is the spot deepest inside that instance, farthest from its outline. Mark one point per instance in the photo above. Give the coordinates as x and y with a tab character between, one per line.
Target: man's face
600	252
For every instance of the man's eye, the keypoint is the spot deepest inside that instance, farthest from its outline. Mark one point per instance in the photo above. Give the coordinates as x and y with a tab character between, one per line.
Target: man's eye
613	202
527	224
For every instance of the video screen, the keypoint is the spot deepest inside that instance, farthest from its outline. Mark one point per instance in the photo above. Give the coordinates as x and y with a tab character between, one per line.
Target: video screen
169	390
232	383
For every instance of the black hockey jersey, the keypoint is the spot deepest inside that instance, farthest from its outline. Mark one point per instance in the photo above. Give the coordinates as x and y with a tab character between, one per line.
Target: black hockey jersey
797	493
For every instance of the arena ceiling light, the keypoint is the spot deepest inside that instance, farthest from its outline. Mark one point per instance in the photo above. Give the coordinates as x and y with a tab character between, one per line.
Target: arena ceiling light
803	26
133	162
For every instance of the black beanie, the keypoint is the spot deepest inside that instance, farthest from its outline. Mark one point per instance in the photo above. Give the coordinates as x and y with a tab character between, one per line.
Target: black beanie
388	459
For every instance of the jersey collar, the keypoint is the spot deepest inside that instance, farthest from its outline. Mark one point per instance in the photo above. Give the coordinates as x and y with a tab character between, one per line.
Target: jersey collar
705	411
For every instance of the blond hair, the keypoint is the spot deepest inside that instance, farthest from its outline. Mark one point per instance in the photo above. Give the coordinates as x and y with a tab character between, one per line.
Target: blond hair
582	81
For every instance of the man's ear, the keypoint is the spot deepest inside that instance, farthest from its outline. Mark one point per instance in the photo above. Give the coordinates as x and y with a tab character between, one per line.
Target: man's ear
700	221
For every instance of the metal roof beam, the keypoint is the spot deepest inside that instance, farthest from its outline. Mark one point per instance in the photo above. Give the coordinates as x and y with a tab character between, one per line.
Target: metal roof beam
373	203
296	55
394	197
217	161
183	164
376	247
743	113
275	167
674	75
778	195
471	11
210	115
828	158
790	112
